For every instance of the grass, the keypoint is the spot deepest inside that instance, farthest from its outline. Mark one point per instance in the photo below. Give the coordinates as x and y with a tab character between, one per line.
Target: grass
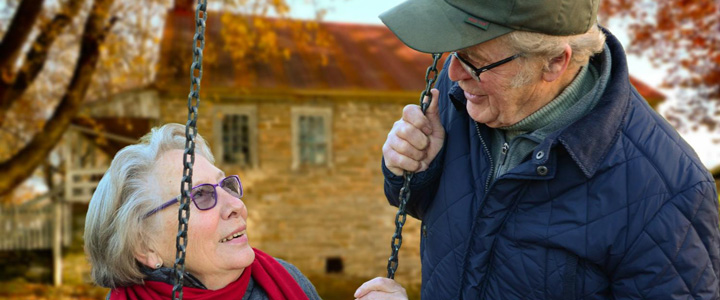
21	289
76	278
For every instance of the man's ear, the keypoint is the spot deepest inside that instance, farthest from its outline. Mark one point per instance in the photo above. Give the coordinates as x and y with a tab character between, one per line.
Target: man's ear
558	65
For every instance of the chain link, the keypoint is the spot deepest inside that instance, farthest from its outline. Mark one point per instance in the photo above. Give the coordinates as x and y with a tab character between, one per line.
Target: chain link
400	217
189	154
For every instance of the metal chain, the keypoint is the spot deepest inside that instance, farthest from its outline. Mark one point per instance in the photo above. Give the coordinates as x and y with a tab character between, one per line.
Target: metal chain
189	154
430	77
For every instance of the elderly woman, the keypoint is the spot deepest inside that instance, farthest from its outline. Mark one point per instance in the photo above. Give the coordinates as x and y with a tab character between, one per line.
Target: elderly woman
131	227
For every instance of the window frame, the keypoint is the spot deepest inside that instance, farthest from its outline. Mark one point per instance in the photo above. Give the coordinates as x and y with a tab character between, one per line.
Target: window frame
326	114
219	113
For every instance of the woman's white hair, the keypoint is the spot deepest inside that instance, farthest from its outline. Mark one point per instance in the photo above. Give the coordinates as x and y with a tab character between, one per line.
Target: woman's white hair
545	47
115	227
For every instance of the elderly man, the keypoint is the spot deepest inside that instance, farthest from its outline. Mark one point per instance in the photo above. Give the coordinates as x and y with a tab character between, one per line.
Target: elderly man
541	173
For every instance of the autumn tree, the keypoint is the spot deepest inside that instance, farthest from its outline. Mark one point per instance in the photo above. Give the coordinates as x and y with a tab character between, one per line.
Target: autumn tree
684	35
19	162
57	55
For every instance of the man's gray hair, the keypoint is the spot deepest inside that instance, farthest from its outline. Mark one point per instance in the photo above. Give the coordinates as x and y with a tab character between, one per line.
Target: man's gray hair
546	47
115	227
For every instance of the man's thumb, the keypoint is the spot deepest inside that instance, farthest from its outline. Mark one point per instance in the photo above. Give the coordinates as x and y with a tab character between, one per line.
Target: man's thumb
432	110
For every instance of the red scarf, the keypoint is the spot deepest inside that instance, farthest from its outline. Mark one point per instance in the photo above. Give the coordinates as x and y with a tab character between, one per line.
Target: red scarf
267	272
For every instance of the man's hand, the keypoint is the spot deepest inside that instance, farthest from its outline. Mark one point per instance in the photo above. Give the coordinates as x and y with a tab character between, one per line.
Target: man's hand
380	288
414	140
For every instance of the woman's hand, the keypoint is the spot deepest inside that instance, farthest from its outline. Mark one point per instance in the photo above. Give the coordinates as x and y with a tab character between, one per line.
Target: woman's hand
380	288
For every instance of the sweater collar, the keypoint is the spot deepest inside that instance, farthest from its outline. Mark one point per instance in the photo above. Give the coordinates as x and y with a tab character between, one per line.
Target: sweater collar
556	109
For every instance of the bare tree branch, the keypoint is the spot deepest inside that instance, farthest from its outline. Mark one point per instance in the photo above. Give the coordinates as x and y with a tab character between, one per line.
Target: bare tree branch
16	34
21	166
35	58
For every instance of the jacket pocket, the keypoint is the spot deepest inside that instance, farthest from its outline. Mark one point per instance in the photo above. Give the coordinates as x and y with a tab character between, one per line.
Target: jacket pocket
570	277
561	275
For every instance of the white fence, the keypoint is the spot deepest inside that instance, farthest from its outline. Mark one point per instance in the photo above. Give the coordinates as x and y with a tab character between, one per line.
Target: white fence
31	226
81	183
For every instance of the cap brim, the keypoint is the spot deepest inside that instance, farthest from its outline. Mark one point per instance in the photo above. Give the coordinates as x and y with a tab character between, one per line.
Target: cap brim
434	26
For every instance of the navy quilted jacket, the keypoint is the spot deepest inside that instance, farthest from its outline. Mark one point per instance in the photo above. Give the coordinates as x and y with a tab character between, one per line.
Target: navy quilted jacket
618	206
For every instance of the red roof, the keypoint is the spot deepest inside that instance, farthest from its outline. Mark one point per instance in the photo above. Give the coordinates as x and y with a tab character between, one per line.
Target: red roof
359	57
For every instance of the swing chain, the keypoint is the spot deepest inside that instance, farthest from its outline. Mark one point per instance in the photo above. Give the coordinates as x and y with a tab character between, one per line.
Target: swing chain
189	154
430	77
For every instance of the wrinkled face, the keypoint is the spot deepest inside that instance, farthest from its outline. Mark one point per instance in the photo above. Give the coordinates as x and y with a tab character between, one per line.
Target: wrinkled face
494	100
208	254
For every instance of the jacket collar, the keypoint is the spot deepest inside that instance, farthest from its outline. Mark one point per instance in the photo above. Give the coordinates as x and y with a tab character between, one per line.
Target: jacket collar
166	275
603	123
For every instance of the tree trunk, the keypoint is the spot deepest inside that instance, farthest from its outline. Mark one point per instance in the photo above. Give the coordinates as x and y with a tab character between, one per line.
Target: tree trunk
12	86
16	34
19	167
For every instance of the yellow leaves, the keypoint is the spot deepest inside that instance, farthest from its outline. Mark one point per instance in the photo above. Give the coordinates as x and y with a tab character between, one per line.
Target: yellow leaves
6	74
287	53
323	60
253	41
280	7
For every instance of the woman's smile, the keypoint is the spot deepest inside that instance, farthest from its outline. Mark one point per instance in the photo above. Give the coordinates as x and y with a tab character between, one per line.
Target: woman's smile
235	238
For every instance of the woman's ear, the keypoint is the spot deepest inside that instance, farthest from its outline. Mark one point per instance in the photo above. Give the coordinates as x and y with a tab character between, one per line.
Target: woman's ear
557	65
149	258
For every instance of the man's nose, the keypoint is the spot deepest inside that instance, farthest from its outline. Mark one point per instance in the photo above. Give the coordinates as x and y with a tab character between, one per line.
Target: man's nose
456	72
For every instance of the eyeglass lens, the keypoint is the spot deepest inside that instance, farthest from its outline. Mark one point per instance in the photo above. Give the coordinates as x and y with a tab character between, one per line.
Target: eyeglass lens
232	186
205	196
470	70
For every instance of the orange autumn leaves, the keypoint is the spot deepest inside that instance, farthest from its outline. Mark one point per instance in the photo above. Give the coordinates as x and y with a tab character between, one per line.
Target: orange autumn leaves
684	35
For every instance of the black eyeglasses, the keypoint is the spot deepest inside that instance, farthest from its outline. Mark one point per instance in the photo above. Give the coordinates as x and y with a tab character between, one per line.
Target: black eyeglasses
475	72
205	195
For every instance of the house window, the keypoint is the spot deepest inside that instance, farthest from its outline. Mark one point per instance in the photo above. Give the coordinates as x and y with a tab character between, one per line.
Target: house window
312	141
236	139
333	265
235	134
311	136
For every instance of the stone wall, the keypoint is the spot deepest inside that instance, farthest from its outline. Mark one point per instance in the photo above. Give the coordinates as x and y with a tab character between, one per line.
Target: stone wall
308	215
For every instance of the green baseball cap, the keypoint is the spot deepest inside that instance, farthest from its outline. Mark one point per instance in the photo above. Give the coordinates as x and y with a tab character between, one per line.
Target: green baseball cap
435	26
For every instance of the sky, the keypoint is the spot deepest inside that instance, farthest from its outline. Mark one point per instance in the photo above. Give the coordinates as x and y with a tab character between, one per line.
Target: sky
367	11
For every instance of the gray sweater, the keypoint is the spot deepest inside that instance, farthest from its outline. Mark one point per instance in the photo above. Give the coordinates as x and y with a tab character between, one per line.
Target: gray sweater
255	292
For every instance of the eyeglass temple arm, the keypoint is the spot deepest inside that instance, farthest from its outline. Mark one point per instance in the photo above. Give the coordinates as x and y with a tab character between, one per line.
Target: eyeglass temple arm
166	204
498	63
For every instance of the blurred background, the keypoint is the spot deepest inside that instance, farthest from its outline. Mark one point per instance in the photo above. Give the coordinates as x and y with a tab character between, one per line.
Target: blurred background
297	98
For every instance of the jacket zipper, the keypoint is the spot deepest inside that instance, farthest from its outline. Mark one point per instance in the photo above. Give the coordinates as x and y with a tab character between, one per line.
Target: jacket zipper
501	163
487	152
487	189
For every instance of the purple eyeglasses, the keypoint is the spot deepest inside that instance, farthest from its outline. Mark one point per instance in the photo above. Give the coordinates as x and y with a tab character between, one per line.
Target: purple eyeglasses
205	195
